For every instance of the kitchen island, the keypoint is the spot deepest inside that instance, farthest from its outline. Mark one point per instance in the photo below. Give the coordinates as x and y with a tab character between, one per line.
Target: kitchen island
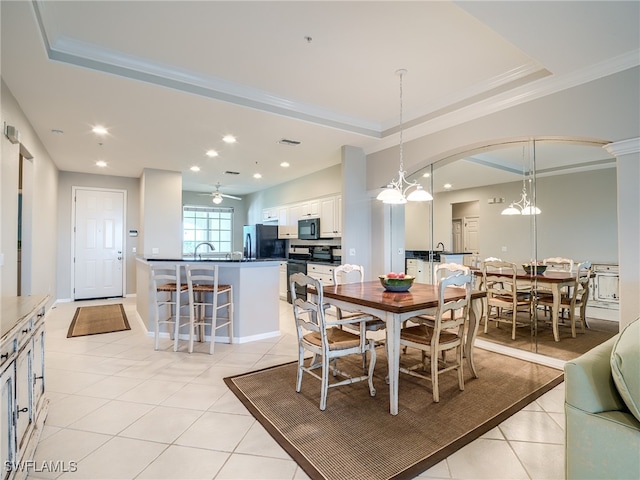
255	294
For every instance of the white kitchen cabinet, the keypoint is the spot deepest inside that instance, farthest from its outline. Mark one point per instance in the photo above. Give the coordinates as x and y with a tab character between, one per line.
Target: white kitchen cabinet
324	273
22	374
331	217
420	270
269	214
295	212
283	215
282	290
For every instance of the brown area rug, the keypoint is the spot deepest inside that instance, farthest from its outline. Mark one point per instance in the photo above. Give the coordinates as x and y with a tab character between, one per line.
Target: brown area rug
98	319
357	438
567	348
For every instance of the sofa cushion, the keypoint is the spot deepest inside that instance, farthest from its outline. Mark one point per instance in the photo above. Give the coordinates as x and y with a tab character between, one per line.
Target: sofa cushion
625	366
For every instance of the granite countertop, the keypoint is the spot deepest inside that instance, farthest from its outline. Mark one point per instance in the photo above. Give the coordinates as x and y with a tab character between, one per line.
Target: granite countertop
217	260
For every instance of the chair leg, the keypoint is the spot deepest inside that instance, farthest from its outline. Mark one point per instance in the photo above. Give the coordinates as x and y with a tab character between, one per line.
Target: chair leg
231	315
300	371
513	321
460	367
434	377
372	364
325	383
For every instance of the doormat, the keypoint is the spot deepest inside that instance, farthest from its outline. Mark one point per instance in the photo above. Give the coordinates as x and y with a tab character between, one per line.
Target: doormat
357	438
98	319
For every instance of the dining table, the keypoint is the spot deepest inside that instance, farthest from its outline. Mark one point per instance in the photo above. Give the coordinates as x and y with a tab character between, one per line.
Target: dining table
395	308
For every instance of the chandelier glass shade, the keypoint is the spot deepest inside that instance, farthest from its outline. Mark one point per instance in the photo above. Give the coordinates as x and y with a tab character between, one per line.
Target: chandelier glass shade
401	190
217	199
524	206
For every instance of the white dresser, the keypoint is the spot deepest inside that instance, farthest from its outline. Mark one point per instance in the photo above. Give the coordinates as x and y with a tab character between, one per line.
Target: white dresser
22	381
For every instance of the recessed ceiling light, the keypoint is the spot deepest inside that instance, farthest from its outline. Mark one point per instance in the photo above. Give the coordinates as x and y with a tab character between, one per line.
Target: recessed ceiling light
57	131
426	175
211	153
99	130
257	175
229	139
195	168
447	186
101	163
284	164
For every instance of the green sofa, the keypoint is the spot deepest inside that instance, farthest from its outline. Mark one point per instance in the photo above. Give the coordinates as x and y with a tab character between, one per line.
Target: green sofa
602	410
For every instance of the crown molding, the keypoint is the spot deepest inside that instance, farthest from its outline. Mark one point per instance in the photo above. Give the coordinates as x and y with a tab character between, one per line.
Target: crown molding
623	147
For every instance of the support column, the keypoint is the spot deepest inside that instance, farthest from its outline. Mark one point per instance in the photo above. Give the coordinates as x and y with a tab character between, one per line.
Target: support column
627	153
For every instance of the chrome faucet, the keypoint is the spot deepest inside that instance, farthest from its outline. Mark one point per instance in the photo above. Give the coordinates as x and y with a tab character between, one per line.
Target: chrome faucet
440	243
195	250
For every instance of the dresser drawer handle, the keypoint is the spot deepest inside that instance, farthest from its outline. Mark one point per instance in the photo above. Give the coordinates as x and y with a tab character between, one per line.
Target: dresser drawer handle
4	356
23	410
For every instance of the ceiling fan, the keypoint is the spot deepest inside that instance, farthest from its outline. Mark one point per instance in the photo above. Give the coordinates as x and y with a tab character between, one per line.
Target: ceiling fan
217	195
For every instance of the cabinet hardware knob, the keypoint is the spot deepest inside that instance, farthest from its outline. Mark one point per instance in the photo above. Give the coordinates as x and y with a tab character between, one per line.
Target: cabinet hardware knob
26	330
40	315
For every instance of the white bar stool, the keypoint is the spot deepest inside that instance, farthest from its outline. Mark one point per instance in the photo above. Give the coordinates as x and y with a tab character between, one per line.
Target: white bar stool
166	284
202	281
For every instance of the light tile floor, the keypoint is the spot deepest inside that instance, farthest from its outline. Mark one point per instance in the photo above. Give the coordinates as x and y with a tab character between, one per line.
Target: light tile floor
124	411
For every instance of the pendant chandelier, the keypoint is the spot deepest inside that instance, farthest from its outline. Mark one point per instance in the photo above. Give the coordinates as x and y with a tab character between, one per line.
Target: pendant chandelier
396	191
523	206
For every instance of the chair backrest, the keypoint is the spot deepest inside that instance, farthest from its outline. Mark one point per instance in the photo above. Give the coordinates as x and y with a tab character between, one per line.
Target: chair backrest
444	319
558	264
308	314
492	259
583	277
202	274
499	278
162	275
444	270
349	271
165	278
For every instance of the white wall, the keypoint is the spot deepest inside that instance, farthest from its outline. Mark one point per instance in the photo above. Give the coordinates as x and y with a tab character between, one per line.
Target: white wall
161	214
578	220
44	214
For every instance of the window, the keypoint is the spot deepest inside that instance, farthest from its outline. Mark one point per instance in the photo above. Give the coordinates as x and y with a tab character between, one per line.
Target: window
207	224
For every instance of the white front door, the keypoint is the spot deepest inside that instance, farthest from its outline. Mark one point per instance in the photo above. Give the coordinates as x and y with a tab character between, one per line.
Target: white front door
98	256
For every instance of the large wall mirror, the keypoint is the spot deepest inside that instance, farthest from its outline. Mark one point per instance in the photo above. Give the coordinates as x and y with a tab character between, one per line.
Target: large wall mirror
574	186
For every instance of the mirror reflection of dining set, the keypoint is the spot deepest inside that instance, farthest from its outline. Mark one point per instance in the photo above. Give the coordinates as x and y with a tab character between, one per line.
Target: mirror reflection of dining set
429	319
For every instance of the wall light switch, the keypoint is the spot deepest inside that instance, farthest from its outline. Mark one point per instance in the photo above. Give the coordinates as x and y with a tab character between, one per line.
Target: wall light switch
352	252
504	249
401	251
155	251
134	249
1	259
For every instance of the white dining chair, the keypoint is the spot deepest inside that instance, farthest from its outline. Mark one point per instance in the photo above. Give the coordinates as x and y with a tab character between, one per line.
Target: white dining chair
325	340
363	322
446	334
503	296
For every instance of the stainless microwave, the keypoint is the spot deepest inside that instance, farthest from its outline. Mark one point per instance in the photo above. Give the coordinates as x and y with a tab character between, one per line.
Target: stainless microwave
309	229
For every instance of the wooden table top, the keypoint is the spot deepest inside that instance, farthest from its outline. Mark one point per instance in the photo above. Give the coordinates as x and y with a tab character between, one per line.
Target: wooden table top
372	294
552	276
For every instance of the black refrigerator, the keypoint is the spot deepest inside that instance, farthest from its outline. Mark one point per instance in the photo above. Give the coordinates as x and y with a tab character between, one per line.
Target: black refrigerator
261	241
